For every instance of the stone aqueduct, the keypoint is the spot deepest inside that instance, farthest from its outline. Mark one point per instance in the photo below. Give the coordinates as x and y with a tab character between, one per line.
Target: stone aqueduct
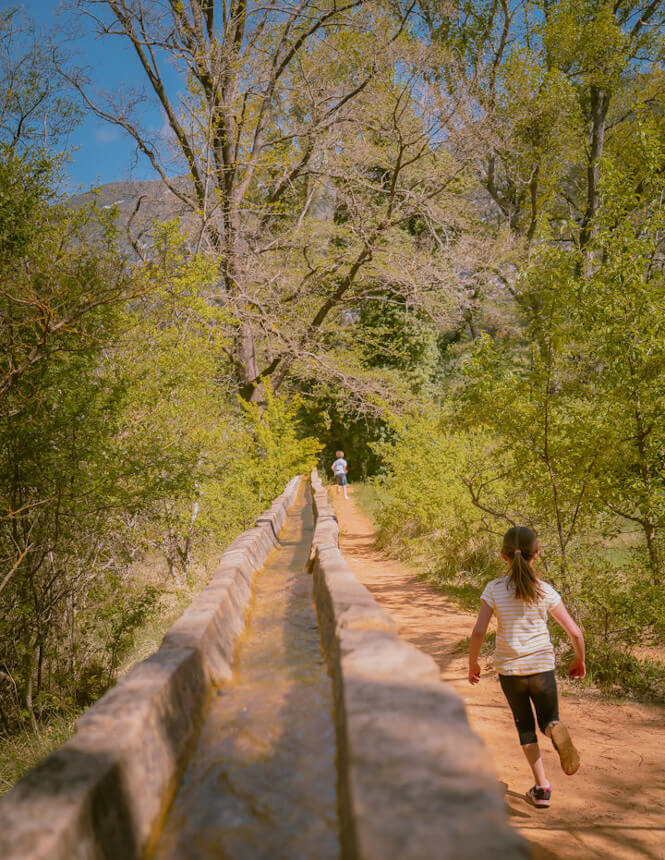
412	779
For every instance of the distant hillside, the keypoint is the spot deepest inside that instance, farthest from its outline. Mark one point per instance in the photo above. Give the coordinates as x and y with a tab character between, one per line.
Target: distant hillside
157	203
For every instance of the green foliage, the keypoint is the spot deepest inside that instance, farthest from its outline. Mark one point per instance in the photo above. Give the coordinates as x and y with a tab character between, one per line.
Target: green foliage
588	41
393	336
123	608
425	507
121	440
341	425
539	113
59	415
622	674
25	184
35	113
279	452
558	425
486	648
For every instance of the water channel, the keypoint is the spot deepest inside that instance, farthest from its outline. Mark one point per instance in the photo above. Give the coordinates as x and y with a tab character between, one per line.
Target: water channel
262	780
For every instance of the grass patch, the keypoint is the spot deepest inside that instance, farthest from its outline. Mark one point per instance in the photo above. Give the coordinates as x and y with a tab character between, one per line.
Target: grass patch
486	649
465	594
19	753
367	498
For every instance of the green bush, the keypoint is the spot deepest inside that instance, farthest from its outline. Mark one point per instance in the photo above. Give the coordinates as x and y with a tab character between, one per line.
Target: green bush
425	512
622	674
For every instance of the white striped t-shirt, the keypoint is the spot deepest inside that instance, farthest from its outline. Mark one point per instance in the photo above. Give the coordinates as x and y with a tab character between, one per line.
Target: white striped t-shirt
523	644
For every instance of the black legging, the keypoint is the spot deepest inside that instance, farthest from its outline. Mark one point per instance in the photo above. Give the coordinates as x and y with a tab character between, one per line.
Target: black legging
521	690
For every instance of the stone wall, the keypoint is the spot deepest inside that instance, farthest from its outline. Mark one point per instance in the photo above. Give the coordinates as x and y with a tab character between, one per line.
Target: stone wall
103	793
414	781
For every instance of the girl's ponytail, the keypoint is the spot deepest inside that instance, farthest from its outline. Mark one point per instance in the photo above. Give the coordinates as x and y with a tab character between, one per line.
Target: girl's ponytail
520	545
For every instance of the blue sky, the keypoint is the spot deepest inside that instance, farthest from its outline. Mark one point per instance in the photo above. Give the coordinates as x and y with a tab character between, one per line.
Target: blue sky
104	153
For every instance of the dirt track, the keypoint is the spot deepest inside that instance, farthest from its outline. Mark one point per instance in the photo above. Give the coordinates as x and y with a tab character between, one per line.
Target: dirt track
614	806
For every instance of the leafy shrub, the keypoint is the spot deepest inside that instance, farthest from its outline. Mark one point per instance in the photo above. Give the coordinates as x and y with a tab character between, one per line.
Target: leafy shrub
425	512
622	674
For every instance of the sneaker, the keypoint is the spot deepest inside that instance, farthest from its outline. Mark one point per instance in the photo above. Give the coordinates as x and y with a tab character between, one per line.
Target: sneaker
568	755
539	796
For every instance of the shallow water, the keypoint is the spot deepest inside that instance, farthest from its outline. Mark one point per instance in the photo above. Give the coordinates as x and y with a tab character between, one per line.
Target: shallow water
262	781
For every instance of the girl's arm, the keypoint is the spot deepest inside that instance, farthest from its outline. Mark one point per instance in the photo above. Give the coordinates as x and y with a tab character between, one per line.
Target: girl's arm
577	668
477	636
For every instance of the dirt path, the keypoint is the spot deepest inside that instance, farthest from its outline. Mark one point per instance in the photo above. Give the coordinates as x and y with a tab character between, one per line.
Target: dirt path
614	806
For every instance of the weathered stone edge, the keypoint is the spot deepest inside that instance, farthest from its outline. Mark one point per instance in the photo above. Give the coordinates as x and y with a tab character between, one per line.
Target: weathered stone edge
104	792
414	780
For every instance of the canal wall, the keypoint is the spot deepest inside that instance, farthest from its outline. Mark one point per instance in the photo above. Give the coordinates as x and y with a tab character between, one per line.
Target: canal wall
103	794
414	780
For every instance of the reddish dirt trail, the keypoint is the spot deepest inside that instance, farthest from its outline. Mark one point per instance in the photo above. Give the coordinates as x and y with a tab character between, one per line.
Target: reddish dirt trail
614	807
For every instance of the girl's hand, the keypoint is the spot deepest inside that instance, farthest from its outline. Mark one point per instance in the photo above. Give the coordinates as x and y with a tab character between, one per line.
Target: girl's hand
577	669
474	673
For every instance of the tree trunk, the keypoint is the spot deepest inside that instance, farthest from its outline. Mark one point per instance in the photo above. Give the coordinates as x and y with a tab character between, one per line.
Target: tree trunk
29	667
40	666
244	347
648	520
600	102
247	366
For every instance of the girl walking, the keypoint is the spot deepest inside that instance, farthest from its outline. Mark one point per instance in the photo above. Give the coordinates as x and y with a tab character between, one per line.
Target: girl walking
524	656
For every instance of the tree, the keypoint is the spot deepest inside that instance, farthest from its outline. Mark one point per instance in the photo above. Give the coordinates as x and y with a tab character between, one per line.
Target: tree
619	319
237	64
289	114
548	77
34	113
58	306
40	312
46	304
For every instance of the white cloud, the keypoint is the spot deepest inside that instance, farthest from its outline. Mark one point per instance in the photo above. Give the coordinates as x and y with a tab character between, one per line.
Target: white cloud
106	134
